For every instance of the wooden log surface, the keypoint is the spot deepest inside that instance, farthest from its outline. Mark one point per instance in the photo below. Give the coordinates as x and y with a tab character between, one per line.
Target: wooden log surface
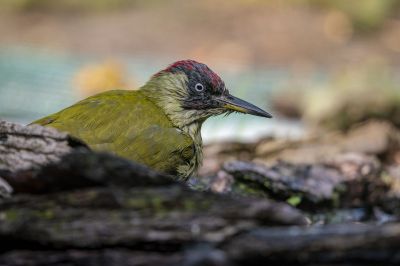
168	222
72	206
30	147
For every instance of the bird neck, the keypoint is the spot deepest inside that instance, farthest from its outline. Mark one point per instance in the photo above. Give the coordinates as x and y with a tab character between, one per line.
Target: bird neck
167	91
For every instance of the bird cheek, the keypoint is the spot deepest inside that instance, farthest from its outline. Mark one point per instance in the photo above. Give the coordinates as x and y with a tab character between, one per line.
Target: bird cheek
216	104
193	104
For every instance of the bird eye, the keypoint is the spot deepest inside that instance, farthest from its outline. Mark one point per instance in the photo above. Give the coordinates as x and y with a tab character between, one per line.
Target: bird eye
199	87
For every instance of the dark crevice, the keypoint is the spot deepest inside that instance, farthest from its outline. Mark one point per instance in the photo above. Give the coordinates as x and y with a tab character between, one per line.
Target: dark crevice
16	243
3	137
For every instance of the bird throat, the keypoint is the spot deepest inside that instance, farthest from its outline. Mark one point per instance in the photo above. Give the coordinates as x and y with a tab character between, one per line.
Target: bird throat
194	131
167	92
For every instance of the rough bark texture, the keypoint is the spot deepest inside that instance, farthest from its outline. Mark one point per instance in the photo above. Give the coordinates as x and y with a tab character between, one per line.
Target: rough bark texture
72	206
169	216
348	180
30	147
172	224
82	168
350	244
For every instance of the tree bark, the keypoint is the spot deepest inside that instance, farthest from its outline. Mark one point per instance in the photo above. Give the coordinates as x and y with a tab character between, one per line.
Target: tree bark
73	206
30	147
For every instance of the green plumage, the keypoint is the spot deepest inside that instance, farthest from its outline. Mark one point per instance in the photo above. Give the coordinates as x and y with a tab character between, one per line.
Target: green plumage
158	125
130	125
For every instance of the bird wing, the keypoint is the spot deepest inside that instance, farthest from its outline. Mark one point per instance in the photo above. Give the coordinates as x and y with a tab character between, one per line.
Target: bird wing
164	149
127	124
98	119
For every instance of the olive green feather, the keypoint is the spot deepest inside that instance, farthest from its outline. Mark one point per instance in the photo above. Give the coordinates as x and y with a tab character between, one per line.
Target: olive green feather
129	124
158	125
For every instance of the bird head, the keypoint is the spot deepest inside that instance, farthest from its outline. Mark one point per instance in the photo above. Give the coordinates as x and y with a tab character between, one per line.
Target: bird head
190	91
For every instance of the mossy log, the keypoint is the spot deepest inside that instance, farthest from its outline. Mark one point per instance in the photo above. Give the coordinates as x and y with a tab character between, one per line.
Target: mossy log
347	180
73	206
344	244
173	225
36	159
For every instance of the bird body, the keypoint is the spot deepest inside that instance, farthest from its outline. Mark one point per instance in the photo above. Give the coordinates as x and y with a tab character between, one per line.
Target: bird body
148	136
158	125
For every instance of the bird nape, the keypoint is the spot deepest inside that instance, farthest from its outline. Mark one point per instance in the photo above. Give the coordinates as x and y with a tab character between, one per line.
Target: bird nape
157	125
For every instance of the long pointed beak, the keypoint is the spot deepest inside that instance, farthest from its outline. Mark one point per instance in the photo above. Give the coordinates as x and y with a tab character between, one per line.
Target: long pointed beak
235	104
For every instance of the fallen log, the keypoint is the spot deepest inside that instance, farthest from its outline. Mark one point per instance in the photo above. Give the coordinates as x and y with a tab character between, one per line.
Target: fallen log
163	217
347	180
31	147
78	207
345	244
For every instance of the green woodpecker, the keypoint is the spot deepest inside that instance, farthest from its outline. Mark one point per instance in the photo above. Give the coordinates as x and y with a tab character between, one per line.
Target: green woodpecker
157	125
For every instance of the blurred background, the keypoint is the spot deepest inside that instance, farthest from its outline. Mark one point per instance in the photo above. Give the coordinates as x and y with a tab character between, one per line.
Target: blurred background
312	63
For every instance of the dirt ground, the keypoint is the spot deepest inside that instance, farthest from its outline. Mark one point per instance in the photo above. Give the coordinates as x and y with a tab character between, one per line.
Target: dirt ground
298	36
